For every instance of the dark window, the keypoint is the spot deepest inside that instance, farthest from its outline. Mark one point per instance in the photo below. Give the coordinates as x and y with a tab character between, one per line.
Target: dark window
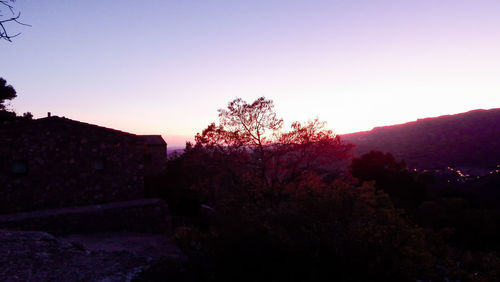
99	165
19	167
148	159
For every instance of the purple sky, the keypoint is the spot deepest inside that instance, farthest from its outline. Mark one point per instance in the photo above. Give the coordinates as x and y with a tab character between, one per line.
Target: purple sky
165	67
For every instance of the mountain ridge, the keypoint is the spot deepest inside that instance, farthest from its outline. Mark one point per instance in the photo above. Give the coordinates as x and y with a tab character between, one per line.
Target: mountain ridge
469	139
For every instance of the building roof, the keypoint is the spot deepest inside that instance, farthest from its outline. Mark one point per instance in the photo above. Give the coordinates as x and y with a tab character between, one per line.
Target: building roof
153	139
71	122
60	124
69	126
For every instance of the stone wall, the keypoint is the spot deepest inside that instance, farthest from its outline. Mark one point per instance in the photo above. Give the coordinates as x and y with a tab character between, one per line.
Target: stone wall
145	216
156	159
57	162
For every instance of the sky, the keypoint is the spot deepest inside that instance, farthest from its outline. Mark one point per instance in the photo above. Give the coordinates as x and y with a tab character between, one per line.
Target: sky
165	67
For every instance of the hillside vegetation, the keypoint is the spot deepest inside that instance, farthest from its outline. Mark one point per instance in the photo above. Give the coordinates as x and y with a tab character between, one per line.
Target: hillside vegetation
254	203
466	140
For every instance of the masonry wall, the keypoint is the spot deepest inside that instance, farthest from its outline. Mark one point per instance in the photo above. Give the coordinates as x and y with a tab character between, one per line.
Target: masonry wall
56	162
146	215
156	159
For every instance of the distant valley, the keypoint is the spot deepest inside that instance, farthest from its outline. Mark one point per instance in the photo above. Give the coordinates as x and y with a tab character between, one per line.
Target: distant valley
174	149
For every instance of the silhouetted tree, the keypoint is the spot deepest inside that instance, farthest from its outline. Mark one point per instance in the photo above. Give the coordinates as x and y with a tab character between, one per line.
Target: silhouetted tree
309	147
390	176
250	135
27	115
375	165
7	92
250	124
291	224
244	127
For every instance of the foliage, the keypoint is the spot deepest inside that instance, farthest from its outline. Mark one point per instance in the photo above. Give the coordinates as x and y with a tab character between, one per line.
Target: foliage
175	186
27	115
317	231
390	176
309	147
249	137
250	124
468	212
7	92
474	221
324	232
373	165
277	208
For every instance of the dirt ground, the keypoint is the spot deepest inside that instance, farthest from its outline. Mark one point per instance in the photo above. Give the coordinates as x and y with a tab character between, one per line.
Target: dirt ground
149	246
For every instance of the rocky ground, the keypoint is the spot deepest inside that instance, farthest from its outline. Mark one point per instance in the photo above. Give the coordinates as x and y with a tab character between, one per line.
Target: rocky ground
149	246
39	256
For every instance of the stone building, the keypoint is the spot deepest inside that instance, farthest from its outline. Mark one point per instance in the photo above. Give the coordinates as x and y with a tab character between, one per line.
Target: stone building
155	150
57	162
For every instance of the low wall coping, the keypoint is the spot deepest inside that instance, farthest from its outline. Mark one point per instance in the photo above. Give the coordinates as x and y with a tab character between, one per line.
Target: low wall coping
76	210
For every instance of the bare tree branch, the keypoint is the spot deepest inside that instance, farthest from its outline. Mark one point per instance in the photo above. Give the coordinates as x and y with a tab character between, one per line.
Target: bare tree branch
13	19
6	3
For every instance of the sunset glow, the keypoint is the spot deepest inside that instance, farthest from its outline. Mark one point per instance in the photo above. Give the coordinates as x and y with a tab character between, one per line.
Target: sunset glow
165	67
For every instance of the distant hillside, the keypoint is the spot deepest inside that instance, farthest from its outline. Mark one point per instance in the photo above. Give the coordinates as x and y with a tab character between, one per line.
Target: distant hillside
470	139
178	150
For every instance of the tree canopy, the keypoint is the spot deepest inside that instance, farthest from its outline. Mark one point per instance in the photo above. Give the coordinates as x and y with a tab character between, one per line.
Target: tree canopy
263	202
252	134
7	92
243	124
